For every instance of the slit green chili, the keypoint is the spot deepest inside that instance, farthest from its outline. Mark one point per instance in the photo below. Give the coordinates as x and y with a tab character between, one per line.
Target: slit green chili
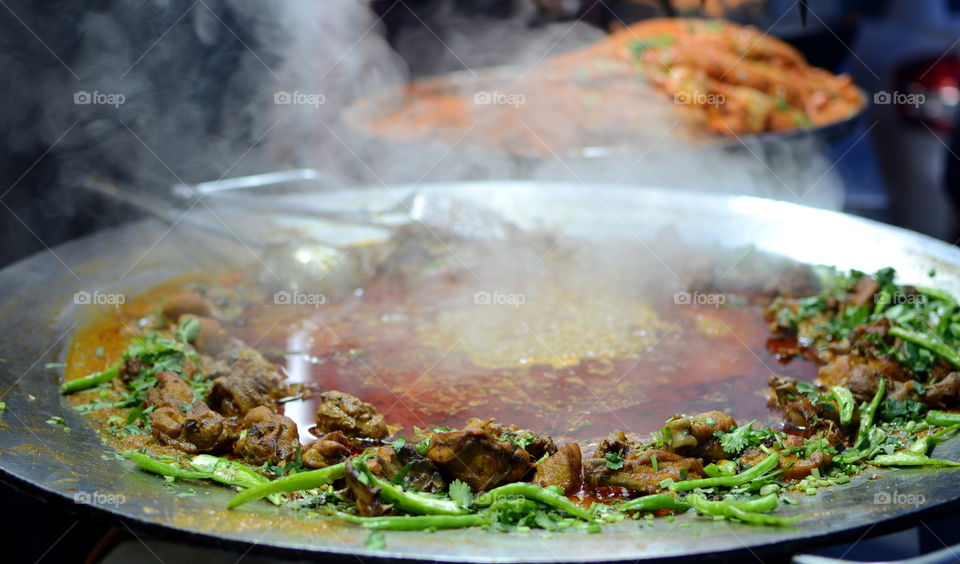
764	466
536	493
292	483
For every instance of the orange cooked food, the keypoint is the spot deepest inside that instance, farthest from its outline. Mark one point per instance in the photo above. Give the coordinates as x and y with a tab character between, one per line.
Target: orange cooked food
731	79
724	79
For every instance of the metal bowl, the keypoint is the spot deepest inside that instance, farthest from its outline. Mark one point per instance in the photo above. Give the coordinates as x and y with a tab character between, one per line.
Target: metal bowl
76	469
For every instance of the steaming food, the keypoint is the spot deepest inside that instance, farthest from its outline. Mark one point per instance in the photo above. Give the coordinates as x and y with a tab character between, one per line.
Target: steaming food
410	428
731	79
723	79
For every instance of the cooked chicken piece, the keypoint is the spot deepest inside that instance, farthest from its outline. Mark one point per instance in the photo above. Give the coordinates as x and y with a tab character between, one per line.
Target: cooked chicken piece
695	436
564	468
328	450
409	468
799	411
478	457
640	473
343	412
859	373
268	437
944	393
130	369
616	442
171	390
252	382
198	430
536	445
368	499
183	303
863	291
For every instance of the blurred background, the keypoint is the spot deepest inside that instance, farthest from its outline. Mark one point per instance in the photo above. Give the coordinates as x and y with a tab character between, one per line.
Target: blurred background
152	93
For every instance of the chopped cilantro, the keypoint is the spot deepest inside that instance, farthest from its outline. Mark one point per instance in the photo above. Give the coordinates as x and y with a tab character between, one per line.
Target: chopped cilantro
900	411
614	460
461	494
397	443
188	330
737	440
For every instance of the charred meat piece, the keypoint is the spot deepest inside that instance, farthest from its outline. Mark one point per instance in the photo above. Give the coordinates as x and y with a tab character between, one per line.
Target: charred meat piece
537	446
564	468
405	466
808	416
642	471
130	369
350	415
696	436
616	442
859	371
252	382
478	457
944	393
267	437
367	497
799	411
863	291
328	450
171	390
198	430
182	303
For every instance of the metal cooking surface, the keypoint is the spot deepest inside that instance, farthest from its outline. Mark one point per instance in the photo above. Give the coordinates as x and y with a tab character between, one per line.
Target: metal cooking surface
39	313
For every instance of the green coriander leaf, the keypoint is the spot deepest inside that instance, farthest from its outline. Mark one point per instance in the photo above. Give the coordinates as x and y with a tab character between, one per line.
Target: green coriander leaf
460	493
614	461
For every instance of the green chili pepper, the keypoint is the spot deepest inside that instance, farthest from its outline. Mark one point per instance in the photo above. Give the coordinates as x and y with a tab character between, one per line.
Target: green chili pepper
90	381
157	467
758	505
925	341
408	501
845	403
910	459
415	522
725	468
731	511
938	294
869	412
943	418
292	483
536	493
767	464
922	445
228	472
655	503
